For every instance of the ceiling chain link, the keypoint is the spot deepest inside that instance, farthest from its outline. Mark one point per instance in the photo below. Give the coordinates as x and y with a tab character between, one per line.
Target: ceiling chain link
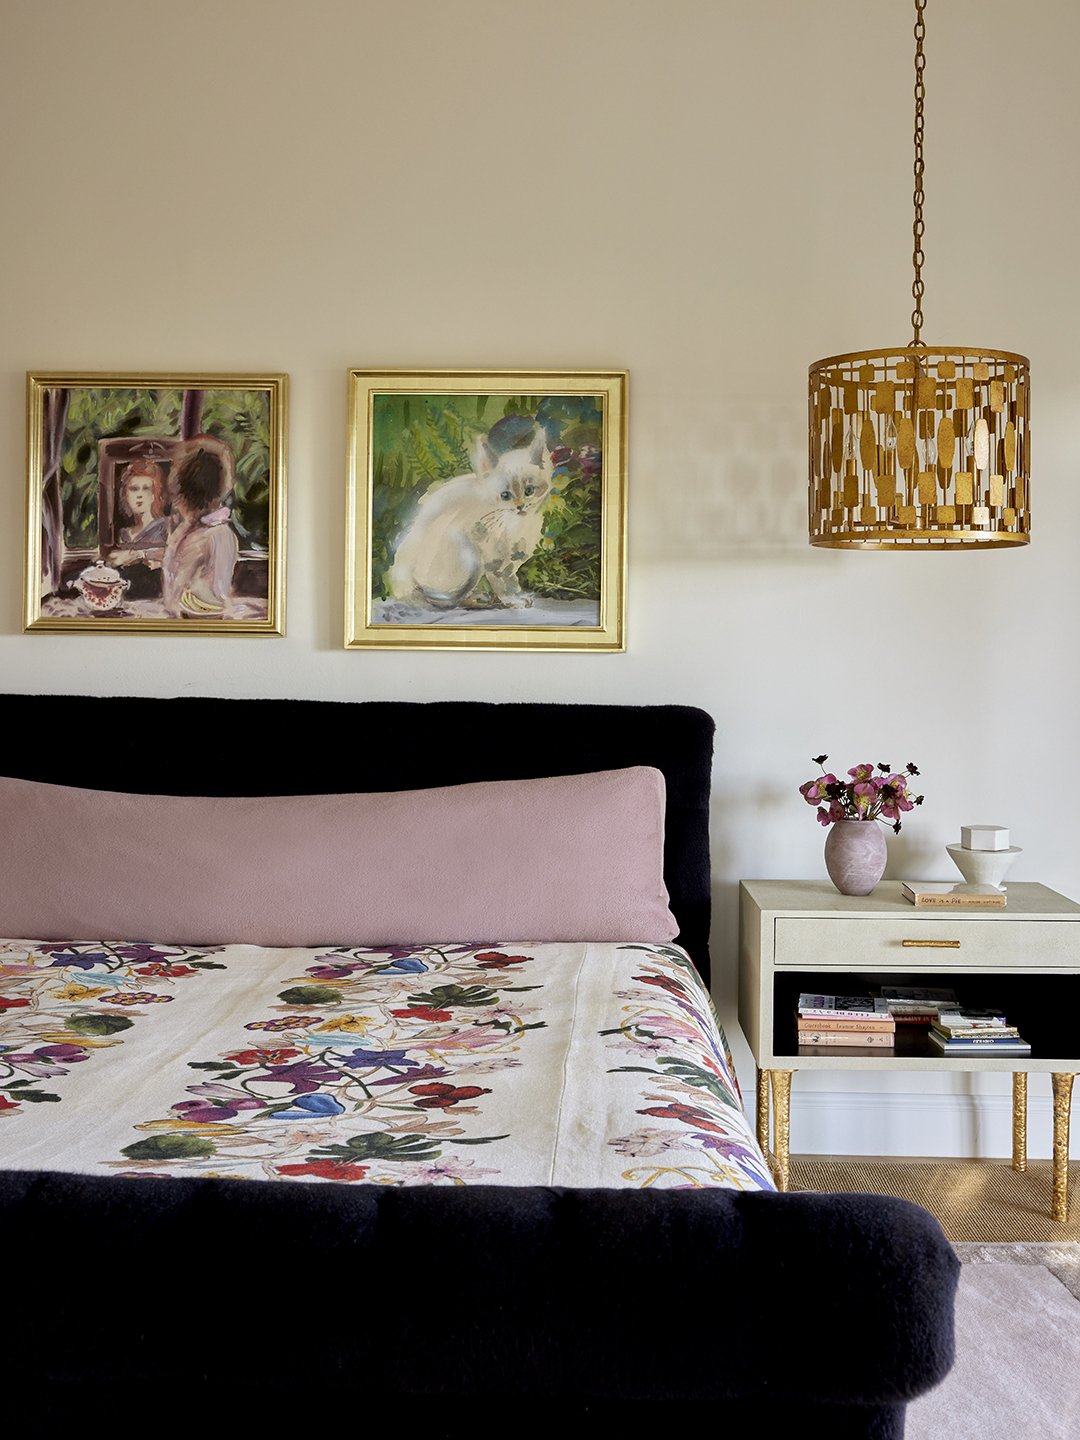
917	228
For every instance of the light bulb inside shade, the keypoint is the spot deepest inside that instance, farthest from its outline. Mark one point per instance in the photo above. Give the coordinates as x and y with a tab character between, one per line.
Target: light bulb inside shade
890	435
931	453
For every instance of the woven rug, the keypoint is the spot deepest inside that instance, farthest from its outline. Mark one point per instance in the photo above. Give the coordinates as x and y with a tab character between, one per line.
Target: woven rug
1017	1371
975	1200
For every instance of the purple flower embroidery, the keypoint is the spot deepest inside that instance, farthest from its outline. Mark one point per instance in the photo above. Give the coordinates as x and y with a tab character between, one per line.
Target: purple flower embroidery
67	960
287	1022
333	972
303	1075
43	1061
361	1058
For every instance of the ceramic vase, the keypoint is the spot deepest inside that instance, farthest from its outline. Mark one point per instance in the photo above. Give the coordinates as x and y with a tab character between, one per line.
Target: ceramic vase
855	855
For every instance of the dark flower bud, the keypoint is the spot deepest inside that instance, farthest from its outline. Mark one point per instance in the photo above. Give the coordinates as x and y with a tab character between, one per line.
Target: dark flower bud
819	759
884	765
912	769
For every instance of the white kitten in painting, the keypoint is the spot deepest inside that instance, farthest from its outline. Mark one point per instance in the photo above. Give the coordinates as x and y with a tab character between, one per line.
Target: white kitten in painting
484	524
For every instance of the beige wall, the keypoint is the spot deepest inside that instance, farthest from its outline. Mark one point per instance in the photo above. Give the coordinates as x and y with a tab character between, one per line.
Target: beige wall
711	192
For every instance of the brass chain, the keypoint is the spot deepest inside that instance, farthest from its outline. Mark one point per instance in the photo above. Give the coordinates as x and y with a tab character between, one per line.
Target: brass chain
918	228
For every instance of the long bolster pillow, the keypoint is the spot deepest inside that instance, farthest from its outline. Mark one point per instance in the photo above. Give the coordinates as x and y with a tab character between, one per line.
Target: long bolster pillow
571	857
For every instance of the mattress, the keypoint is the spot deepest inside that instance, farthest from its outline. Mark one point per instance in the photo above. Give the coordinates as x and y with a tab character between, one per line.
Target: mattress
498	1064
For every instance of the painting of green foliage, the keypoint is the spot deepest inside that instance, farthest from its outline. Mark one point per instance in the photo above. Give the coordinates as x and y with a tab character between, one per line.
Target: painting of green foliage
420	440
240	418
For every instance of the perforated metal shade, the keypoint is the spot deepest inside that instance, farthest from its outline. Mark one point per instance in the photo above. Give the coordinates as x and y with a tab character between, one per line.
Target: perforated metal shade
919	448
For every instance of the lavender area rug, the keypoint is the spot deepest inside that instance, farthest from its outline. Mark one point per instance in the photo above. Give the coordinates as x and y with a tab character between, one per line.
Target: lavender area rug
1017	1370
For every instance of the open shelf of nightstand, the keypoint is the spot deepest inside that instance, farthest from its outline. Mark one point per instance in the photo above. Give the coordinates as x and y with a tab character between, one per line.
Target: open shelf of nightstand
1045	1008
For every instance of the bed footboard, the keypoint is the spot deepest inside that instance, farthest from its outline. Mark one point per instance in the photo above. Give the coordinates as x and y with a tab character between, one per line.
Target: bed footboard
582	1300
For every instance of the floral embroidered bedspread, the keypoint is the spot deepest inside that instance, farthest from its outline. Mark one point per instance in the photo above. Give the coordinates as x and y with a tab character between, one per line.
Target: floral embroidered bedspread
580	1065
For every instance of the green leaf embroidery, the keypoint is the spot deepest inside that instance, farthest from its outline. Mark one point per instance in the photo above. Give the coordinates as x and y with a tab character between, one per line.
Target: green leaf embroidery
696	1076
36	1096
98	1024
445	997
170	1147
378	1145
310	995
486	1140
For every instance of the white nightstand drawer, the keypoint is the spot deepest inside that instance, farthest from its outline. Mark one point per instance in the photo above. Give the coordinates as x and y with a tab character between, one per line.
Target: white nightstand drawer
810	942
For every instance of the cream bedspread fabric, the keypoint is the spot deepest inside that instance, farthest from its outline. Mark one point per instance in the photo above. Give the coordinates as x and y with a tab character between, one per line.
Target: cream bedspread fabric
512	1064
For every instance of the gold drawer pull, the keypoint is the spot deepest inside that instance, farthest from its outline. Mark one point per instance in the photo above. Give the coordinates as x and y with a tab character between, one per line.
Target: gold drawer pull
931	944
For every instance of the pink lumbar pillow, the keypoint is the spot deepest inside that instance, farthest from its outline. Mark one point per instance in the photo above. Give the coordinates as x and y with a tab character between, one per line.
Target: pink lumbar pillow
572	857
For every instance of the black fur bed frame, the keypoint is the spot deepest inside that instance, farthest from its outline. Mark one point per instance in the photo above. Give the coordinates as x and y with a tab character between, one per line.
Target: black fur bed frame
451	1309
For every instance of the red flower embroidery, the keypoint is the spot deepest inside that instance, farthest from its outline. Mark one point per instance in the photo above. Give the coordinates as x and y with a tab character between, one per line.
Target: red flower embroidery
671	986
441	1097
422	1012
11	1004
495	960
689	1114
7	1104
158	969
260	1057
326	1170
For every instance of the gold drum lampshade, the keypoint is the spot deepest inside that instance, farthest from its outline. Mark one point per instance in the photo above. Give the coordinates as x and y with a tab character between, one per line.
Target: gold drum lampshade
920	448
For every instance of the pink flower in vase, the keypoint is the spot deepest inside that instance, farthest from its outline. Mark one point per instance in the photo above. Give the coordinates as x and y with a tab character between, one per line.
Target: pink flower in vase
861	772
815	790
864	793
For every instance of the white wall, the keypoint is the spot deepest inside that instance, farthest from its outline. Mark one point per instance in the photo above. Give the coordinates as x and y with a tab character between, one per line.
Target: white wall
710	192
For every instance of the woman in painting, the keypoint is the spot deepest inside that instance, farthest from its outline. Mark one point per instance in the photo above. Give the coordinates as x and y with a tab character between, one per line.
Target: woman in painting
145	531
202	550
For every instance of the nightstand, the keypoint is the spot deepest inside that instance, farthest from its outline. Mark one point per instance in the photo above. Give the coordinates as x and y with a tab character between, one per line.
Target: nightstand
803	935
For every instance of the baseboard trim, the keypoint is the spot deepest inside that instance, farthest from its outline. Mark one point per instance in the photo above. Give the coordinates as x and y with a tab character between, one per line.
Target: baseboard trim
961	1126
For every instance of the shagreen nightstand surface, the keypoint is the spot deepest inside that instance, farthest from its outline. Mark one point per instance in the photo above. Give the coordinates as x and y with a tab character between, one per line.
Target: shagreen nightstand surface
804	935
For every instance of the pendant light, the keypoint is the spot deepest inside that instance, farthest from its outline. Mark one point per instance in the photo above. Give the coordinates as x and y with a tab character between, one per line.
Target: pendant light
919	447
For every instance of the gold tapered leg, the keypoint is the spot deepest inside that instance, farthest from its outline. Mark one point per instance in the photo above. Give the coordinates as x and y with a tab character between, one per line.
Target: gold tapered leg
1019	1120
781	1099
763	1111
1063	1085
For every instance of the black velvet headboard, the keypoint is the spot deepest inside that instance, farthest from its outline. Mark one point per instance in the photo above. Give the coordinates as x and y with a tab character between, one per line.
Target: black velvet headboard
203	746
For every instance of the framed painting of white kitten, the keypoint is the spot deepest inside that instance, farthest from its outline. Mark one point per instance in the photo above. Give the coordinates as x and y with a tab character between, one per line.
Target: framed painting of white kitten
486	510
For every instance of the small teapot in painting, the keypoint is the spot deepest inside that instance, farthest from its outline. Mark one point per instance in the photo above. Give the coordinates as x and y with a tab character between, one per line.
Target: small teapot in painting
101	587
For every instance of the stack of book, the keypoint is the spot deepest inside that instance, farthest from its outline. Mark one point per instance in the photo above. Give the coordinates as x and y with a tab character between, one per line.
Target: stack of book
860	1021
912	1006
976	1032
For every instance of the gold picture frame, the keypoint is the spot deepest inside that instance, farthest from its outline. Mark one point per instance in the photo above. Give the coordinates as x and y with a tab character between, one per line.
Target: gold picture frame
486	510
155	503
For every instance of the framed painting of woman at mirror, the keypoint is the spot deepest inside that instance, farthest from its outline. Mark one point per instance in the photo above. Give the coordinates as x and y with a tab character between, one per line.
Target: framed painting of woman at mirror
156	503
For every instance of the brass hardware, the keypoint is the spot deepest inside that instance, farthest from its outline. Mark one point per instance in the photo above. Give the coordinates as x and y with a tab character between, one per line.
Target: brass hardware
781	1101
1062	1086
931	944
1019	1160
763	1111
918	228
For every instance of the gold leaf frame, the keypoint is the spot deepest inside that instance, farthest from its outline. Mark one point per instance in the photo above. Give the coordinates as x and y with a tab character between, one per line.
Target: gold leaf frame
361	633
37	384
